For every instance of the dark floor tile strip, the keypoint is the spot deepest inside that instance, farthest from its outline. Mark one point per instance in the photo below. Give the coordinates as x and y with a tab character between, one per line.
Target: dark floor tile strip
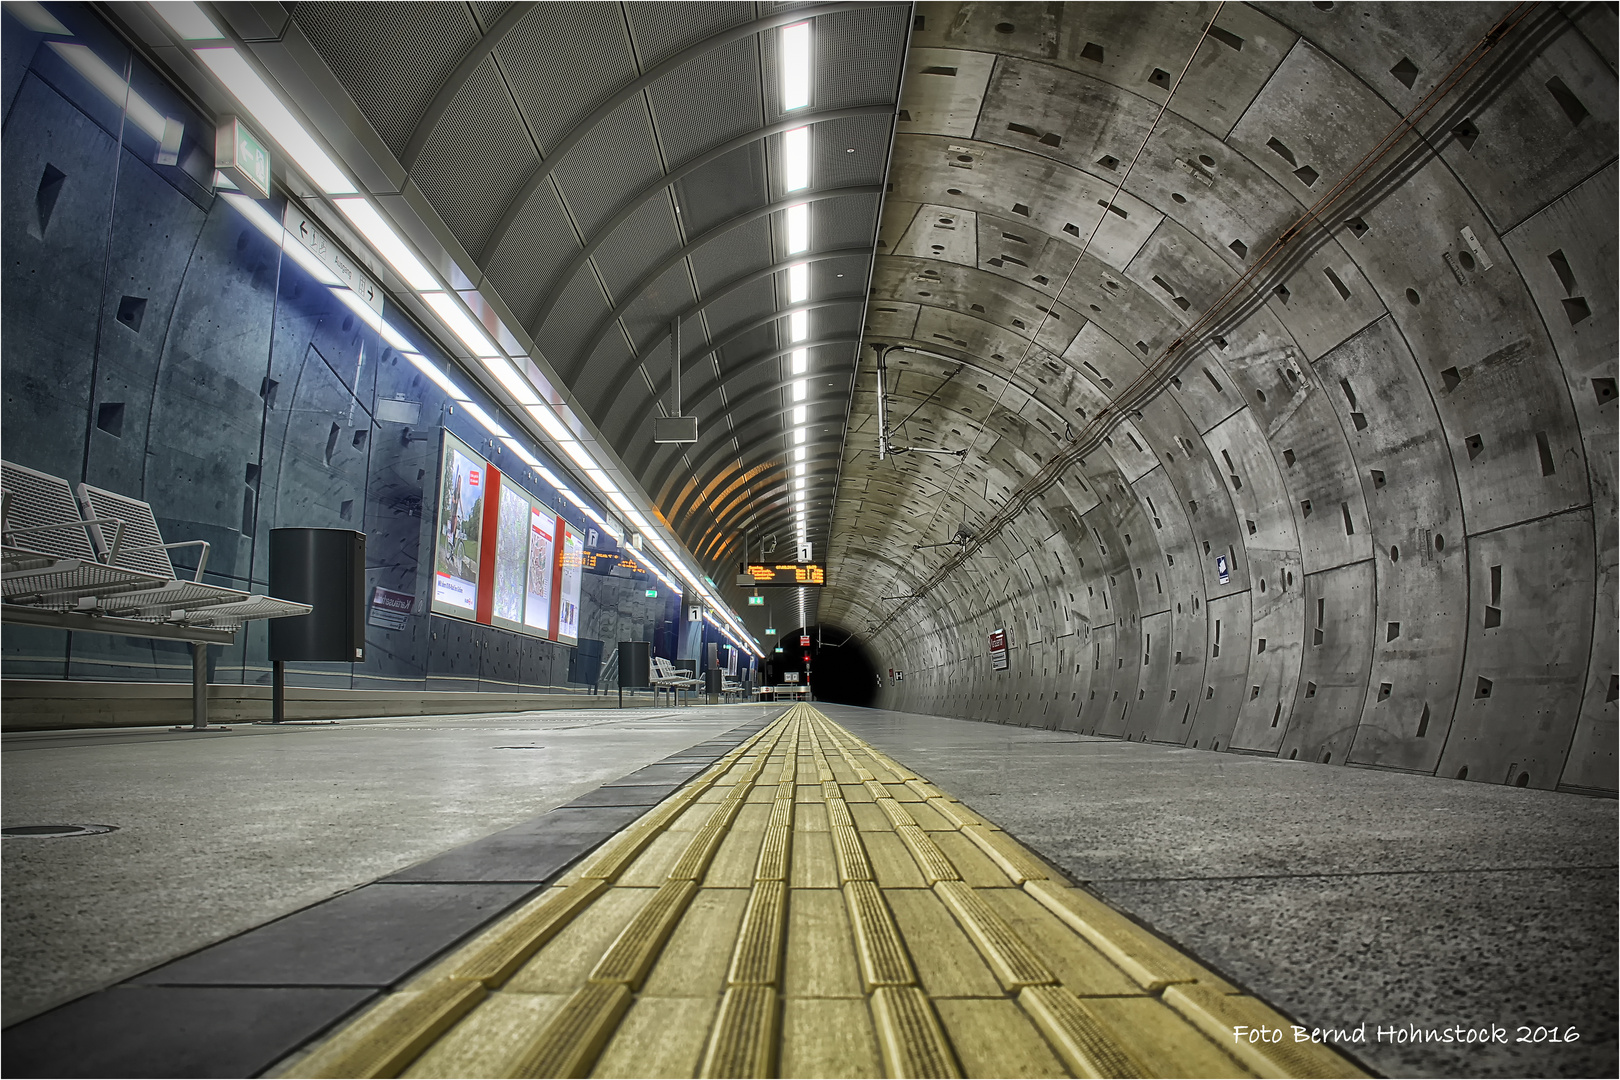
239	1006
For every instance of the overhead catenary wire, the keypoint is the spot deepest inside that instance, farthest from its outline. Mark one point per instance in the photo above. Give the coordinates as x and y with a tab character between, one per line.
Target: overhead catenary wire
1227	306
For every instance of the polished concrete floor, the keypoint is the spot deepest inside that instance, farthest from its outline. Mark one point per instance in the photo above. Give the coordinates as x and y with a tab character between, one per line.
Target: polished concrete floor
218	833
1341	896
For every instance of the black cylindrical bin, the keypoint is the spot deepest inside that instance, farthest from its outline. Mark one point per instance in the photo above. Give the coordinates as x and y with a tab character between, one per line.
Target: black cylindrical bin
635	665
325	568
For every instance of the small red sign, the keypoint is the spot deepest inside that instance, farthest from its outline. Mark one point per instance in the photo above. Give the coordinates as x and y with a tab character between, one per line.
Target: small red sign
804	639
472	478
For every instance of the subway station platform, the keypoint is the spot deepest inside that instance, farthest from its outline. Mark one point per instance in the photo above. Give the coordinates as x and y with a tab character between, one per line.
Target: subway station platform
809	891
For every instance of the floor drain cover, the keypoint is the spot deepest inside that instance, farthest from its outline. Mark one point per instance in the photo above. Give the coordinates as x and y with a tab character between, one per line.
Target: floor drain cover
48	832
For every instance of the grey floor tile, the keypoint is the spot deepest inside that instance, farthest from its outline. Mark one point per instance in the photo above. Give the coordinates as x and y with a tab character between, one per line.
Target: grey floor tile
373	936
174	1031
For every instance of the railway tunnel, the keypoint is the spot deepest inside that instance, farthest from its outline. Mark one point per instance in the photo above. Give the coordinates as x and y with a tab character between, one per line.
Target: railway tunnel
1173	444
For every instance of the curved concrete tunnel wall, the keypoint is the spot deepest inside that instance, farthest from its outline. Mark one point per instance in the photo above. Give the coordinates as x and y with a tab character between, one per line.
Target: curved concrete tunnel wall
1407	451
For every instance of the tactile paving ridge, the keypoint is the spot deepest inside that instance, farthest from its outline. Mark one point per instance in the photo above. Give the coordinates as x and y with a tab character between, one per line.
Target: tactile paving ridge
735	930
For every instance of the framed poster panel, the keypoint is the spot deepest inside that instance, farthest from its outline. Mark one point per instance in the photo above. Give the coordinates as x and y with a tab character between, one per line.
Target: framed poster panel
457	540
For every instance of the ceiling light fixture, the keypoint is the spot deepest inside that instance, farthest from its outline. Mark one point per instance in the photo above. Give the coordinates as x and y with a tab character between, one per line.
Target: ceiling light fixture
382	237
798	325
801	361
188	21
798	283
796	159
232	69
798	228
460	323
795	46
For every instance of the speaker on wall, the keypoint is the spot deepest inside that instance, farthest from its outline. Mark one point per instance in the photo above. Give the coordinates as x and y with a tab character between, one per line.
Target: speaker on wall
325	568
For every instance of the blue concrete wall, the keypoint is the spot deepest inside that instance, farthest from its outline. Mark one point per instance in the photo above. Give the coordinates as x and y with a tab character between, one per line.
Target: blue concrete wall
156	343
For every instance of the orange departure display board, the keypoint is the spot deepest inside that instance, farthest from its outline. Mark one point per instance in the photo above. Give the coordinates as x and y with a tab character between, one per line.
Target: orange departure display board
793	573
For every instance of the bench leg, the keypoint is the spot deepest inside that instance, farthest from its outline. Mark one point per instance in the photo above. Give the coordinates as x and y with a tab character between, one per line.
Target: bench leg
199	690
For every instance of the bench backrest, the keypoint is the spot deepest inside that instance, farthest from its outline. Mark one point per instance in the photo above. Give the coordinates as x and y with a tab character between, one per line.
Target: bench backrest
142	546
35	499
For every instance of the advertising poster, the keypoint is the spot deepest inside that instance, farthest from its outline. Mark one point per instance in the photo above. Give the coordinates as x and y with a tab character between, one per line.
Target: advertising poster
537	604
572	555
456	544
511	555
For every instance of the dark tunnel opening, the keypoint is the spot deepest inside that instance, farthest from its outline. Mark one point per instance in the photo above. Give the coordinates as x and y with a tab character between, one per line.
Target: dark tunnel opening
841	669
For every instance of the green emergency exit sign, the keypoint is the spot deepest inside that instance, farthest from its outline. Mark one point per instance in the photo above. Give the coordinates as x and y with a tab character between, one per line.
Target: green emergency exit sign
242	158
756	601
652	592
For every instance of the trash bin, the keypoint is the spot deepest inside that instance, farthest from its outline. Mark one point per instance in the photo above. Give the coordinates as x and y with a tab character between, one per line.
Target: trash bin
635	666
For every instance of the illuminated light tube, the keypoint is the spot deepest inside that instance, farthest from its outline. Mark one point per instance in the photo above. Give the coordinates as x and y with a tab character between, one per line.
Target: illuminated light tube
798	228
517	448
257	217
387	243
796	159
798	435
798	414
110	83
798	283
488	421
547	418
800	453
188	21
232	69
801	361
794	43
549	477
605	484
368	314
799	325
801	389
450	311
508	376
580	455
395	338
427	367
36	18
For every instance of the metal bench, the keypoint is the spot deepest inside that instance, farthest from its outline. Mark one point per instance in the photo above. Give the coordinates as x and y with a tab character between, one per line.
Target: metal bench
99	564
666	676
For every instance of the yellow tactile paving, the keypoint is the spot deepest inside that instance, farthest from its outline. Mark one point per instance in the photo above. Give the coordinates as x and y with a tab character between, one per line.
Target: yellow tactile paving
810	906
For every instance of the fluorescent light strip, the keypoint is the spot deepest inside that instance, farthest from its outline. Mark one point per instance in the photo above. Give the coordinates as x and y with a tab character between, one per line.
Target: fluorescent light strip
798	435
800	389
798	414
188	21
36	18
484	418
368	314
448	308
110	83
517	448
798	228
801	361
798	325
508	376
794	44
440	379
798	283
232	69
382	237
796	159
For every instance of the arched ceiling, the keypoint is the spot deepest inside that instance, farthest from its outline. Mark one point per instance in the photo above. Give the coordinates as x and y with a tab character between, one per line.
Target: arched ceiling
609	168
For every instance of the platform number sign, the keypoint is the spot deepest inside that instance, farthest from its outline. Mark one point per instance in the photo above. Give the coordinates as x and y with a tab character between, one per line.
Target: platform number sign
1223	569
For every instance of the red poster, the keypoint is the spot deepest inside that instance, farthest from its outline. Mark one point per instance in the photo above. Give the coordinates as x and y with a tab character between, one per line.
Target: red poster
486	542
556	578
